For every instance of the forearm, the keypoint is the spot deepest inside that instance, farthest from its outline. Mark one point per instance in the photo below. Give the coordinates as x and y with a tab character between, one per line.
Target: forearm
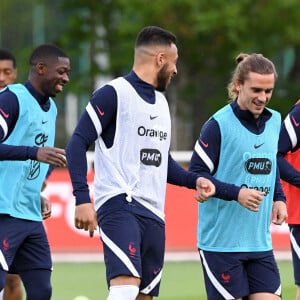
11	152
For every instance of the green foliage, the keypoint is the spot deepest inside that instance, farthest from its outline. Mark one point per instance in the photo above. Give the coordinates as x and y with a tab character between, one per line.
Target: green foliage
99	36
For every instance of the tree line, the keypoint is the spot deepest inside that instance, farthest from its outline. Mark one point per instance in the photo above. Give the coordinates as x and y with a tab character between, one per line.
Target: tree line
99	37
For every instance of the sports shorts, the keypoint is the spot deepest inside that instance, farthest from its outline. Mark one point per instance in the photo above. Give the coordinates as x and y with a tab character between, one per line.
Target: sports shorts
295	246
231	275
133	245
23	245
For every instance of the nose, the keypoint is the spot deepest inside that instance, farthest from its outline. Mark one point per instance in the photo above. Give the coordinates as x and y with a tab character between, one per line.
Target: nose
66	78
263	96
2	76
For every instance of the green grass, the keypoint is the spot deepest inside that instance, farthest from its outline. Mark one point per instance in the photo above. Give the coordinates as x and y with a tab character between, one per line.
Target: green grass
287	280
181	281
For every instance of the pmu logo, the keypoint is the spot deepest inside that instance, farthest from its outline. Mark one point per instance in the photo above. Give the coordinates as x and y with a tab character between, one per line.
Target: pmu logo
150	157
35	166
258	166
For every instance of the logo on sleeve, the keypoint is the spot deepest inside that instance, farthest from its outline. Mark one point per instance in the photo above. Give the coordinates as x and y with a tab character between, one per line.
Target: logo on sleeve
4	114
205	145
101	113
295	122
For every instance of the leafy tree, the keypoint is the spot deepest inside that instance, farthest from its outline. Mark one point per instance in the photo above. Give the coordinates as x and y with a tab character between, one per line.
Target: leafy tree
99	35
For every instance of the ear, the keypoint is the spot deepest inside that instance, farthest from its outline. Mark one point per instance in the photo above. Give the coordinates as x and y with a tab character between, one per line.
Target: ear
41	68
238	85
160	58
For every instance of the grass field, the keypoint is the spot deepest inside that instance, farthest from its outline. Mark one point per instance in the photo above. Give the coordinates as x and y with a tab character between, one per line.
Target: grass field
181	281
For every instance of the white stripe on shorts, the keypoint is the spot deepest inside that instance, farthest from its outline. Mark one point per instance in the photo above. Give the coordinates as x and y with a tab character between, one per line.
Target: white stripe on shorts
119	253
294	244
3	262
152	284
214	281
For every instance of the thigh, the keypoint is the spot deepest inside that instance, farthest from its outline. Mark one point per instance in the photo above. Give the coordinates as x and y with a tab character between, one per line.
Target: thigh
12	234
13	287
263	274
34	252
295	247
224	274
133	245
153	249
121	237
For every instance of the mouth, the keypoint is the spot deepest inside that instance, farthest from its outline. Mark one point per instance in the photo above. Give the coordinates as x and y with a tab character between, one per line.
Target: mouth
59	87
259	105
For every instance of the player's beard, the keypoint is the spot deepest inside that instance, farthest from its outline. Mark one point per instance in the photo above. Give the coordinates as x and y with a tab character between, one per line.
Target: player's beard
163	78
47	89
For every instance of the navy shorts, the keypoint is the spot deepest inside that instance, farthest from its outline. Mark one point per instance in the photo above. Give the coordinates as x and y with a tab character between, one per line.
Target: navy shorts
23	245
295	246
133	245
231	275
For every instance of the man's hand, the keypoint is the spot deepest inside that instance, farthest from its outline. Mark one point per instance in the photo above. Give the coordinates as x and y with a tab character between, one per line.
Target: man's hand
205	189
279	212
85	218
46	207
250	198
52	155
44	185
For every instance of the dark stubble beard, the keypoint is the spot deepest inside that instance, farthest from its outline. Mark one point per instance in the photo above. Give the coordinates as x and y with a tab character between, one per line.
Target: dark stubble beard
162	78
47	90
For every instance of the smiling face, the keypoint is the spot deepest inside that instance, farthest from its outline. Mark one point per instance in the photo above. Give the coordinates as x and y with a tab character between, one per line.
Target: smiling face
255	93
55	74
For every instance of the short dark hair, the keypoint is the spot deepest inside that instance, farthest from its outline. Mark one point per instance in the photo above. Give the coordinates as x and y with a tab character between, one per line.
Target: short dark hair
45	51
8	55
153	35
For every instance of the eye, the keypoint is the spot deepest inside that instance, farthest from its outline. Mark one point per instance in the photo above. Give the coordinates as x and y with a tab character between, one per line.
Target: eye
255	90
8	72
62	71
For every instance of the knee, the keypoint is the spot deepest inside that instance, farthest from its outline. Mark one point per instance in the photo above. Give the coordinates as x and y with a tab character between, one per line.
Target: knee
12	282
